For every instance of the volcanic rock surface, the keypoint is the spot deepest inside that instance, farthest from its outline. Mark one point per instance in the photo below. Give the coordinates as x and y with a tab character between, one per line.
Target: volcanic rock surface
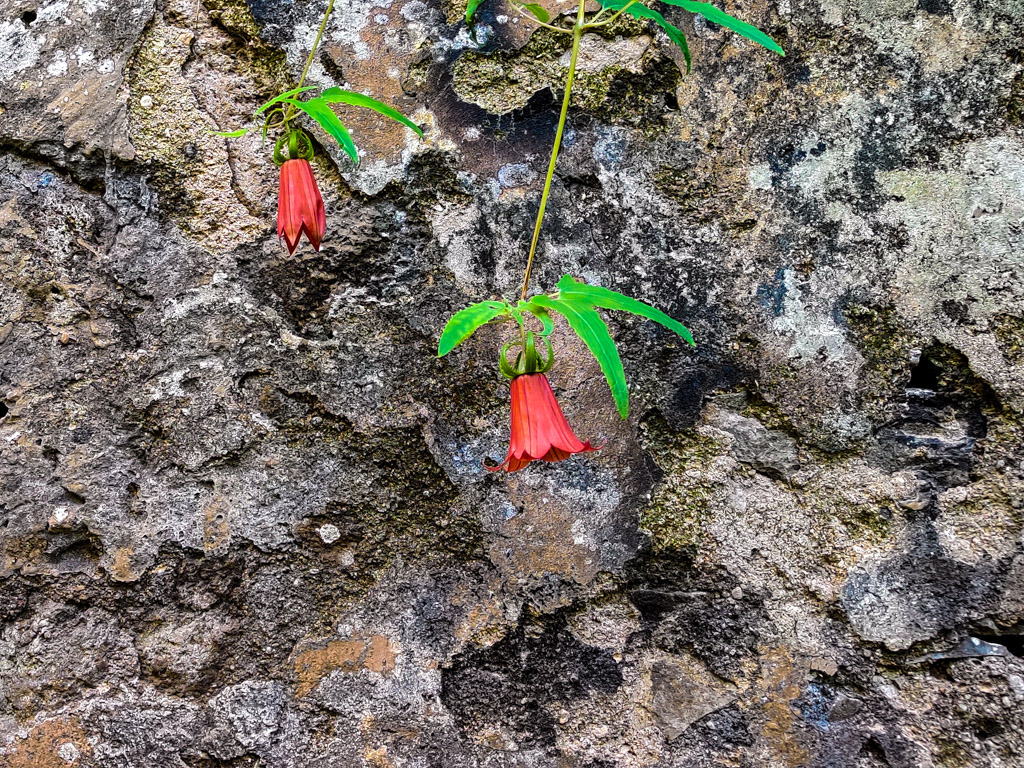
243	515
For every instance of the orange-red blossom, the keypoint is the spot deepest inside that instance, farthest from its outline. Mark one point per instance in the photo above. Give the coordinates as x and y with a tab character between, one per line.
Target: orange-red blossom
539	428
300	208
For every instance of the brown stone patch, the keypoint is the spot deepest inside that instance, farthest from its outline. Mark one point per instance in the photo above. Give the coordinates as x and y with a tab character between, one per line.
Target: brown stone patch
52	744
377	757
374	653
122	567
780	685
216	525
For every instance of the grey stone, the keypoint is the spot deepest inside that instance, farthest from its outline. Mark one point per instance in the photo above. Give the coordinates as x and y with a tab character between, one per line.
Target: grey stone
243	514
768	450
683	691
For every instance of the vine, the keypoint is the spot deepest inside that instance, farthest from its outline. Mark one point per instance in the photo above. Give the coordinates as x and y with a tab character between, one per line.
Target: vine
539	430
300	205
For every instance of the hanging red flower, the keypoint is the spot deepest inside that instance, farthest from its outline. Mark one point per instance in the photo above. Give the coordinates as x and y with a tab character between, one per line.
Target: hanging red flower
539	428
300	208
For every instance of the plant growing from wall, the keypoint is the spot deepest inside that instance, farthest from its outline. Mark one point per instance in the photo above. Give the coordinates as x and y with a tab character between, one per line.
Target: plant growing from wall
300	207
539	430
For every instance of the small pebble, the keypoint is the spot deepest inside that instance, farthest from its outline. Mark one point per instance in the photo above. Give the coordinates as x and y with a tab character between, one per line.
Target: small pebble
329	533
68	752
146	101
737	593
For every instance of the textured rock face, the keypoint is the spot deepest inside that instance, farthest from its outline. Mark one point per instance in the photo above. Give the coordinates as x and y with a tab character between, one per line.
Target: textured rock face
243	519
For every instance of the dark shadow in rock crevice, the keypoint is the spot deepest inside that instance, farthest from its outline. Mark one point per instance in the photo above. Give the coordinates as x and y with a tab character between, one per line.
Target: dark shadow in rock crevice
513	683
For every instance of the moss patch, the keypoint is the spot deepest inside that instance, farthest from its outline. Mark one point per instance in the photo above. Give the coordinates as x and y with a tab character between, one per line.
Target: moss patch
170	119
1009	330
267	64
680	508
886	348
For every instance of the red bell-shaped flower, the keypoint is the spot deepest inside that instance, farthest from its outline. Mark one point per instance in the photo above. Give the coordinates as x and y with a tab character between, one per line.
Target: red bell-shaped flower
300	208
539	428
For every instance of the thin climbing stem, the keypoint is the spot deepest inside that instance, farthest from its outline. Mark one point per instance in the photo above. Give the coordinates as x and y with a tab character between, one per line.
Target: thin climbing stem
577	34
613	17
539	23
309	59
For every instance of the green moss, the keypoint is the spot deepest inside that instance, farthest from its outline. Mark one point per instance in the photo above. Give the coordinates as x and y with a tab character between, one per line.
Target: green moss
951	754
158	131
1015	101
886	348
267	64
680	507
692	188
454	10
870	522
505	80
168	122
1009	330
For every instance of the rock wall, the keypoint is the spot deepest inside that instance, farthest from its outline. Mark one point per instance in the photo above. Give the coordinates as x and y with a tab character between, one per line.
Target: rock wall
243	519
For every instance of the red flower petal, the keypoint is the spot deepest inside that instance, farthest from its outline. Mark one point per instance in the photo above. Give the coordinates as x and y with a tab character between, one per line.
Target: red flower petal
539	428
300	208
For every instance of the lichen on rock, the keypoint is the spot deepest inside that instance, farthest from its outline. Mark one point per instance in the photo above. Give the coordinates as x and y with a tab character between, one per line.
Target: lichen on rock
243	514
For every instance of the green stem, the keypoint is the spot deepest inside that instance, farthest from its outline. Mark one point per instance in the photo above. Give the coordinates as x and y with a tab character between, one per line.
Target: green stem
309	60
577	34
539	23
613	17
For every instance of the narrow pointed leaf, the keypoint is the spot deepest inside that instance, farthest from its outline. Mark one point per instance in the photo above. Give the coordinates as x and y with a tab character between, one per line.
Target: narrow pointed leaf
464	322
231	134
640	11
711	13
471	9
338	96
541	314
320	110
538	11
589	326
607	299
283	97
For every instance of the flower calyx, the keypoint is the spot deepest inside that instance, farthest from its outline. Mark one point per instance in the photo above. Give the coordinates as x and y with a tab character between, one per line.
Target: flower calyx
527	359
294	145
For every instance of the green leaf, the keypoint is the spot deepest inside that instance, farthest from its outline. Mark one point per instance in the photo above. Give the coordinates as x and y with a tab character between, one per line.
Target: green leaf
231	134
542	15
606	299
639	11
338	96
471	9
711	13
283	97
541	314
589	326
464	322
320	110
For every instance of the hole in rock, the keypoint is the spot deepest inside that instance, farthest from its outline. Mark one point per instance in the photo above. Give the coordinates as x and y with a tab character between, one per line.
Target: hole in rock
28	17
987	727
873	753
925	375
4	410
1014	643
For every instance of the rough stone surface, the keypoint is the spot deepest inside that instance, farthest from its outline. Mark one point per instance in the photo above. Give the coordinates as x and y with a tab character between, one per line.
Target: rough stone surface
243	518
